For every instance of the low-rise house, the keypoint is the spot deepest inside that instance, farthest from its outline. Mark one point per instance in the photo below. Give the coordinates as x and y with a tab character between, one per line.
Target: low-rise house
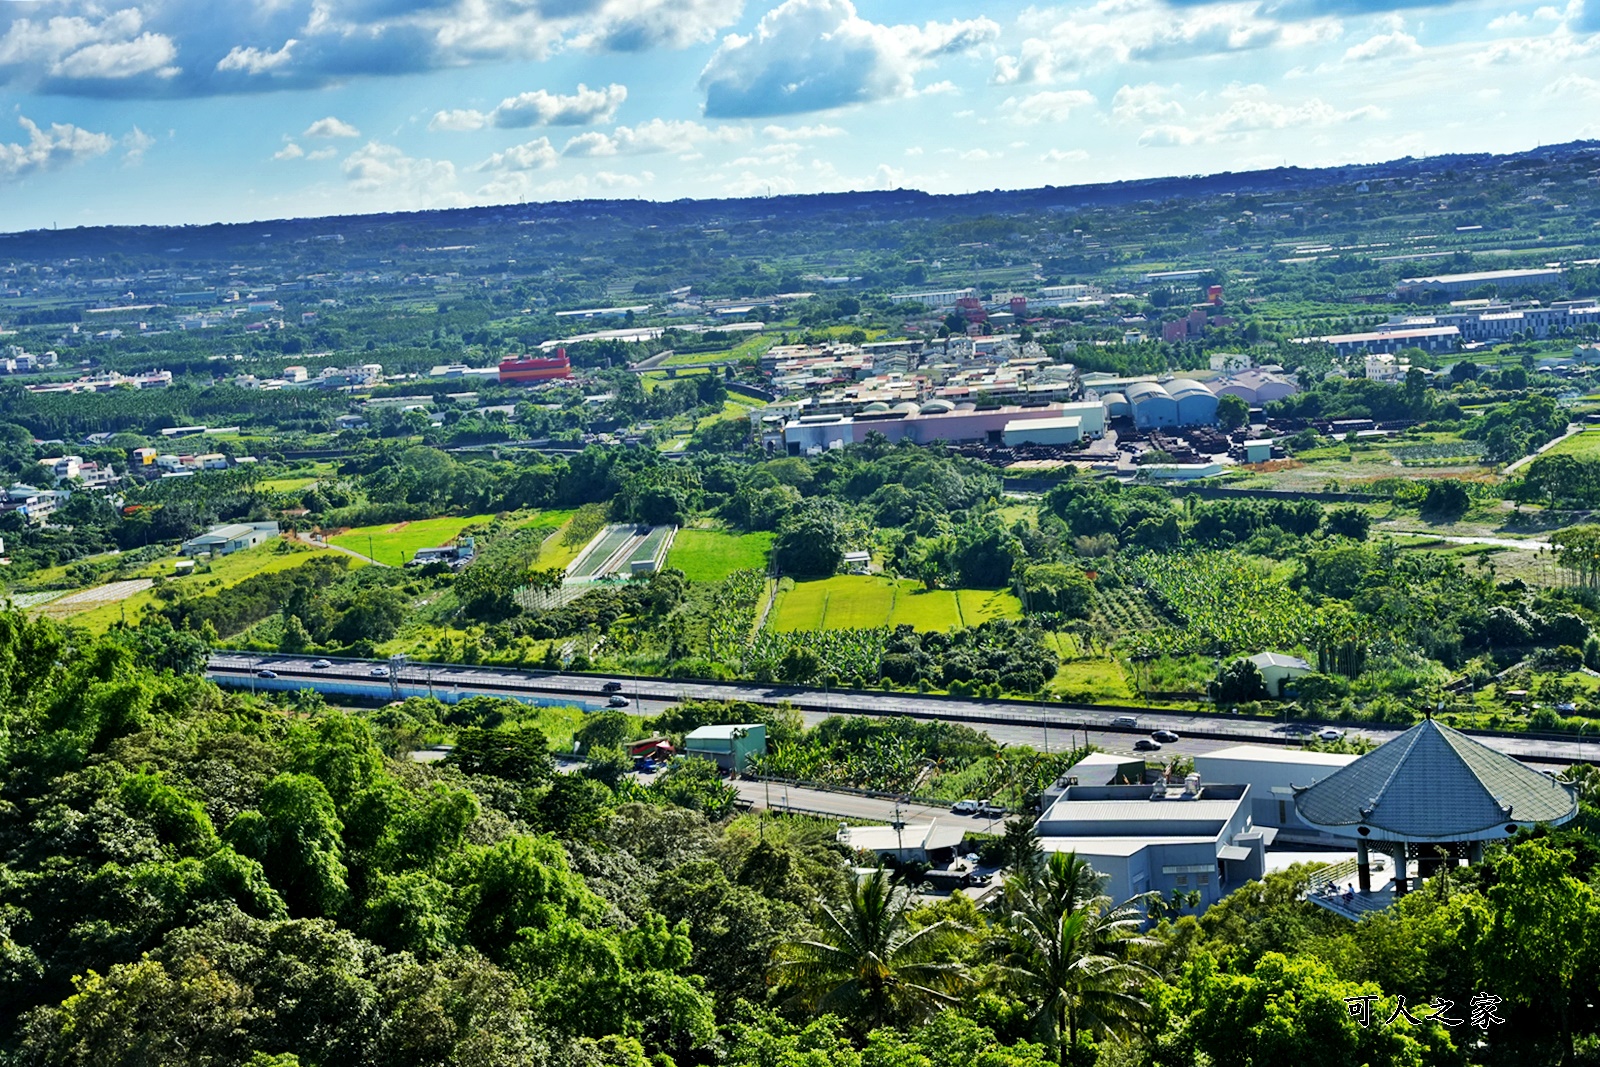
1278	670
231	538
731	746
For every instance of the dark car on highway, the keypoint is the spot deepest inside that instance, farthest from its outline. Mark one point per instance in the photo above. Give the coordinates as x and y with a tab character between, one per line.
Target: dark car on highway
611	687
1164	736
1144	744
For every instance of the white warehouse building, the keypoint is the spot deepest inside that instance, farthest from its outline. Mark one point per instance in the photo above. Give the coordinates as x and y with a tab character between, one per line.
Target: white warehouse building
1273	774
1156	837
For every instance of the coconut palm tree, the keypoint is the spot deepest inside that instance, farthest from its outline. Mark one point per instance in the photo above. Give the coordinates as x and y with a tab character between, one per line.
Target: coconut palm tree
867	963
1062	947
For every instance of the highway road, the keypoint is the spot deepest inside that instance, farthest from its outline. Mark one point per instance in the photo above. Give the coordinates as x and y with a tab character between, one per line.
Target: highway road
1010	722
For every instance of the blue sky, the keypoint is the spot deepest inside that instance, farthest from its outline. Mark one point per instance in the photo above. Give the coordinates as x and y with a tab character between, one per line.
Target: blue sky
178	111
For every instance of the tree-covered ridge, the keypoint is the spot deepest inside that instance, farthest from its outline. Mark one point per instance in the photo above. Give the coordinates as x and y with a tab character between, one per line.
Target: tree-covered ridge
194	877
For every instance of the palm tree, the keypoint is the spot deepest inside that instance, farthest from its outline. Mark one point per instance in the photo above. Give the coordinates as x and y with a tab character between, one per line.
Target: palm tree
868	964
1062	948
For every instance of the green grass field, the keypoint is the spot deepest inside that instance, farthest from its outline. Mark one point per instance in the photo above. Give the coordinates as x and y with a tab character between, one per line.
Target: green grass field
852	601
395	543
711	555
1092	680
224	572
1585	445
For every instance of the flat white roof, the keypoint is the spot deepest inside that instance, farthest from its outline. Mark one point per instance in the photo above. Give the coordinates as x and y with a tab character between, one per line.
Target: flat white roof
1111	812
1116	846
1104	759
1483	275
720	732
1069	422
1379	335
914	835
1272	754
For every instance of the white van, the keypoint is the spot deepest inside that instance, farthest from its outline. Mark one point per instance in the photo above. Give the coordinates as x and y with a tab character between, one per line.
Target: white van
1126	720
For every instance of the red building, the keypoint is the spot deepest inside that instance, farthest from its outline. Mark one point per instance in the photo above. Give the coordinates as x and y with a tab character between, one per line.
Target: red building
971	309
522	370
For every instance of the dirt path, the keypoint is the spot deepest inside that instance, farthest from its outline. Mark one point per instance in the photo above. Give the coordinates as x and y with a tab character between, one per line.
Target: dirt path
1573	428
336	548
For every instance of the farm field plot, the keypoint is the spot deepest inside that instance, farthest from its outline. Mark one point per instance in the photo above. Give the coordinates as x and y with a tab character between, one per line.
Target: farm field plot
862	602
396	542
1225	601
1438	452
863	607
712	555
803	607
926	609
1585	445
85	599
33	600
981	605
285	485
1092	679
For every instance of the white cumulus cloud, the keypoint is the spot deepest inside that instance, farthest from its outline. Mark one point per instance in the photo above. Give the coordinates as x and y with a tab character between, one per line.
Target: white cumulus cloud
539	108
657	135
801	133
1050	105
458	119
534	155
45	150
393	178
331	127
1167	137
1114	33
135	143
1144	103
174	48
813	55
1394	45
1035	61
257	60
1253	108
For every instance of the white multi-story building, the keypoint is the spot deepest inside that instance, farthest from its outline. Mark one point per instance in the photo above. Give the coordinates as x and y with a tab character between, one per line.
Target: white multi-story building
938	298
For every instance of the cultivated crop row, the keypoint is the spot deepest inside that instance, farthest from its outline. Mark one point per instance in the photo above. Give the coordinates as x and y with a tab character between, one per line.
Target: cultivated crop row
845	654
1223	602
734	614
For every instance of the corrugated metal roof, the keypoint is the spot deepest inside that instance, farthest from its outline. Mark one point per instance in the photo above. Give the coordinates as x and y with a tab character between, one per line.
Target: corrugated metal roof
1434	783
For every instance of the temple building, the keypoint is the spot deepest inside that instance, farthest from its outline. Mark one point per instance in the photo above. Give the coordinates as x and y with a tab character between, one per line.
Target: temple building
1430	797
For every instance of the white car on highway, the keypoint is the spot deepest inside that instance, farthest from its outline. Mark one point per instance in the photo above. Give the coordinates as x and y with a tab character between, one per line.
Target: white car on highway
1330	734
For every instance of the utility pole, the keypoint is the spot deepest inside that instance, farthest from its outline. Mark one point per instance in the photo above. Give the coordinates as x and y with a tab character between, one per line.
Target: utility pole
899	832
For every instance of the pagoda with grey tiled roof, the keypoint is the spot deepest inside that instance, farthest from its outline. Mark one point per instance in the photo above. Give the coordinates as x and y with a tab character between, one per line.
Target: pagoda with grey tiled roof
1432	794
